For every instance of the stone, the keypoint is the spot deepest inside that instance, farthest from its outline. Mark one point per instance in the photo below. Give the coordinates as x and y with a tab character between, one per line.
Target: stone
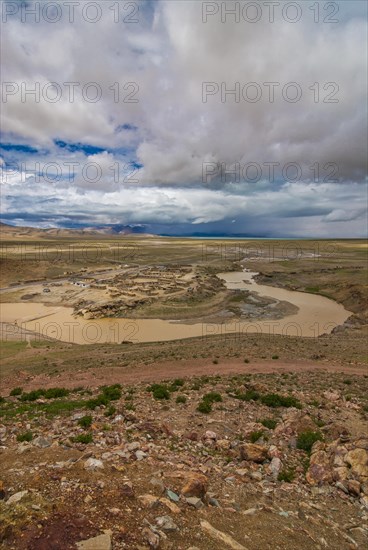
158	484
195	502
195	486
219	536
16	497
140	455
173	496
353	487
149	501
358	460
210	435
319	470
152	538
93	464
253	452
166	524
42	442
275	466
127	489
2	490
223	444
101	542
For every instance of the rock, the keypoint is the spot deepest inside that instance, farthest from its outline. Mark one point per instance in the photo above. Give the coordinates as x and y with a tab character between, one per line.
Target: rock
102	542
275	466
331	395
140	455
195	486
353	487
166	524
93	464
16	497
223	444
195	502
358	460
158	484
250	512
210	435
342	487
152	538
127	489
257	476
253	452
220	536
341	473
214	502
149	501
173	496
42	442
319	470
2	490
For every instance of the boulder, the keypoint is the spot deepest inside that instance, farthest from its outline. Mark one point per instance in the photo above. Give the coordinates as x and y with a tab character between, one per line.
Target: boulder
320	470
102	542
358	461
196	485
253	452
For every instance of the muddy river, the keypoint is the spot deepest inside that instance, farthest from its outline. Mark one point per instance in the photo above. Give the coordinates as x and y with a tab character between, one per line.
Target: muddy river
316	315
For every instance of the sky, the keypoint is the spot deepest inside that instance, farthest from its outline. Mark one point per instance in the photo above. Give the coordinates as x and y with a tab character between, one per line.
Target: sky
186	117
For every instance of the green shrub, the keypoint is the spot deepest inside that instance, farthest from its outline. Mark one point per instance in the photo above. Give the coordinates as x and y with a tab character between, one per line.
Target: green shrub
26	436
215	361
53	393
306	440
276	400
275	357
97	402
286	475
112	393
179	382
249	395
161	392
110	411
212	397
16	391
254	436
85	421
348	382
83	438
181	399
32	395
246	360
269	423
204	407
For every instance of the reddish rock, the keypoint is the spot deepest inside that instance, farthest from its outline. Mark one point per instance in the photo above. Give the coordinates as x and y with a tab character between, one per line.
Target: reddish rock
353	487
320	469
253	452
358	460
196	485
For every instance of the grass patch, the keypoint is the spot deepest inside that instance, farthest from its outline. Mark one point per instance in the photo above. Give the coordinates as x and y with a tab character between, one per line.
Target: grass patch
112	393
249	395
212	397
307	439
274	400
83	438
254	436
287	475
86	421
181	399
16	391
204	407
269	423
26	436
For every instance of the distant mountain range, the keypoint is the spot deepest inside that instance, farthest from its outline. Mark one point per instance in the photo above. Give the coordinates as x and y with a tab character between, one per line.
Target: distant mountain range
11	231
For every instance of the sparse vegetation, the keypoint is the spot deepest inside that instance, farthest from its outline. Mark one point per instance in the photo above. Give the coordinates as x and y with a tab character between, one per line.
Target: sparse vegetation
83	438
307	439
269	423
85	421
16	391
25	436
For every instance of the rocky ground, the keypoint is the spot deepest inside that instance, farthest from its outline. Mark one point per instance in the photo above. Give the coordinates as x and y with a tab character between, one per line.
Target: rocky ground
249	461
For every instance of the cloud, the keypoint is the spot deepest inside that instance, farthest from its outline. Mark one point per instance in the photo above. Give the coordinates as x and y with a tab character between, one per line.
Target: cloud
154	137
